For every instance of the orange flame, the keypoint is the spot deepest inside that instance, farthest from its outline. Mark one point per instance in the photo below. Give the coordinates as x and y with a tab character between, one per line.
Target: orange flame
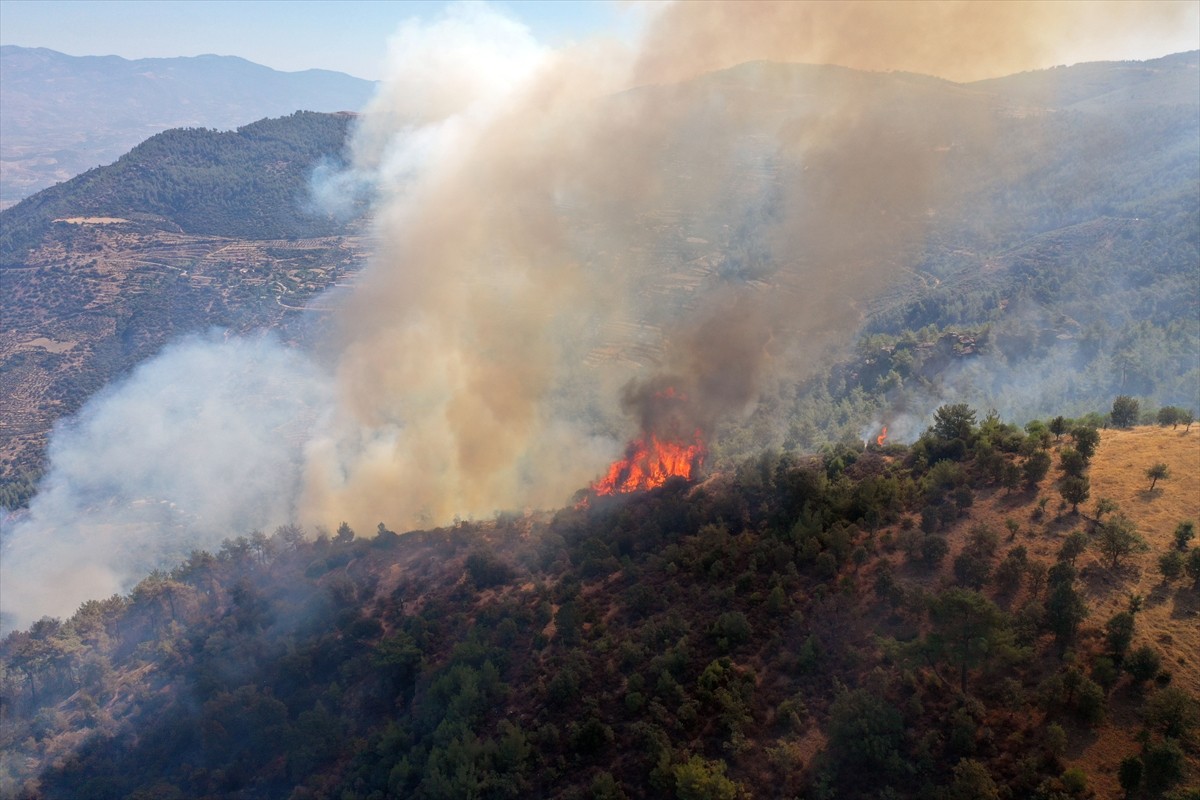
648	465
882	437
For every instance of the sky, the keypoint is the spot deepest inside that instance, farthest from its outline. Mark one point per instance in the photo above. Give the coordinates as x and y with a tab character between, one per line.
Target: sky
352	37
290	35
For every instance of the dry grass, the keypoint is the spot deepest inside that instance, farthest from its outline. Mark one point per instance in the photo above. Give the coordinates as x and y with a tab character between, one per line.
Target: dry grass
1170	616
1170	619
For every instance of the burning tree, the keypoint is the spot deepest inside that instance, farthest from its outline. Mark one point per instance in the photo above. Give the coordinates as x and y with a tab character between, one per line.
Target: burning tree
649	462
671	444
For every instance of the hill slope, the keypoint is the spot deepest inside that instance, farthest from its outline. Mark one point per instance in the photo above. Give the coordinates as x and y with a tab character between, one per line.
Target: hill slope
61	115
249	183
190	230
792	628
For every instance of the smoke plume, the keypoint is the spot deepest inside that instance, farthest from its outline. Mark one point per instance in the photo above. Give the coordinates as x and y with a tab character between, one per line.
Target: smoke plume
197	445
561	233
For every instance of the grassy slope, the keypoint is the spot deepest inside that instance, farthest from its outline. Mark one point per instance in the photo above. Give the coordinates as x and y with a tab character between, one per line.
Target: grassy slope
1170	617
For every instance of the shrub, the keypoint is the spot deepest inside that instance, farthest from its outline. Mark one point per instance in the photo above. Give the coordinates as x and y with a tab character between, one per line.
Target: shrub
933	550
1056	739
973	782
1184	533
1173	711
1130	774
1171	564
731	629
701	779
1074	781
1143	664
1163	764
487	571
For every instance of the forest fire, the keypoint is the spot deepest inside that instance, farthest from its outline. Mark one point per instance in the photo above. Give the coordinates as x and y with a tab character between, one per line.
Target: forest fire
882	437
649	462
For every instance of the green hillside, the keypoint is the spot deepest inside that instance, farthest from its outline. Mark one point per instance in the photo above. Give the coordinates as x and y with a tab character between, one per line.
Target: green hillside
61	115
896	623
191	230
251	183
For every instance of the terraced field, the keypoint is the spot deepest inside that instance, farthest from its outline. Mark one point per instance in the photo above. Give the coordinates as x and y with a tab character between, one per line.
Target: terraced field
88	307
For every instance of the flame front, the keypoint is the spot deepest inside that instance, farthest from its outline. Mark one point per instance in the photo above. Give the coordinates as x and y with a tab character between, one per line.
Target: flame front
648	464
882	437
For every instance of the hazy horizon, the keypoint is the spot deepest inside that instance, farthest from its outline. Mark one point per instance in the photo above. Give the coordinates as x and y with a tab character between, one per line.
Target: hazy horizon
353	37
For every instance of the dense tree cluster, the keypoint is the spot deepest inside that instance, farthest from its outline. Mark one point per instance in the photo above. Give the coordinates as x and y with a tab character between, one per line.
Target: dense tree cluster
679	643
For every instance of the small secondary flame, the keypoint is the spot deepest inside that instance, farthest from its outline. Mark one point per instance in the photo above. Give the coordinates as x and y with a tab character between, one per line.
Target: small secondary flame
882	437
649	463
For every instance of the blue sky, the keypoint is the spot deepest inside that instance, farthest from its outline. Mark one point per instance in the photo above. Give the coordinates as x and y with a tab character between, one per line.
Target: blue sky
289	35
352	35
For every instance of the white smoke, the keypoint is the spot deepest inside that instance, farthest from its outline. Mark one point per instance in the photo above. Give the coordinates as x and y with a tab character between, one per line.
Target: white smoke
200	443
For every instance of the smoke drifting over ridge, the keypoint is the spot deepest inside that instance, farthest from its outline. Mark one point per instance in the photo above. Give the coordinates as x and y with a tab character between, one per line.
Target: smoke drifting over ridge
527	190
196	445
514	240
560	232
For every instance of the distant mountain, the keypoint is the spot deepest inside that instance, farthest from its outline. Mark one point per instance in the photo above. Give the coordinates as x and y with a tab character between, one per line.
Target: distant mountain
61	115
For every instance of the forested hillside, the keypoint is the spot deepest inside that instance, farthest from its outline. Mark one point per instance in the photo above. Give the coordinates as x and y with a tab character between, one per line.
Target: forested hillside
968	617
249	183
1060	266
61	115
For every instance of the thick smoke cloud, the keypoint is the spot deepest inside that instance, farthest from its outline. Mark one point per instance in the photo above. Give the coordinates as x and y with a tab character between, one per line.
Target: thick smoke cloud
960	40
557	230
199	444
559	224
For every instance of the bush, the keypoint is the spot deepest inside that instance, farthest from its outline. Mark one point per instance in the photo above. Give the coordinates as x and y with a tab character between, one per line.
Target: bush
933	550
1164	764
973	782
605	787
731	629
865	735
487	571
1184	533
1090	702
1056	739
1125	411
1105	672
701	779
1130	774
1171	564
1172	711
1143	664
1074	781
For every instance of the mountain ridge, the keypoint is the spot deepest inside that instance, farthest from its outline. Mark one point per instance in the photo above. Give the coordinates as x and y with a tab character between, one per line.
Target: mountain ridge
61	115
